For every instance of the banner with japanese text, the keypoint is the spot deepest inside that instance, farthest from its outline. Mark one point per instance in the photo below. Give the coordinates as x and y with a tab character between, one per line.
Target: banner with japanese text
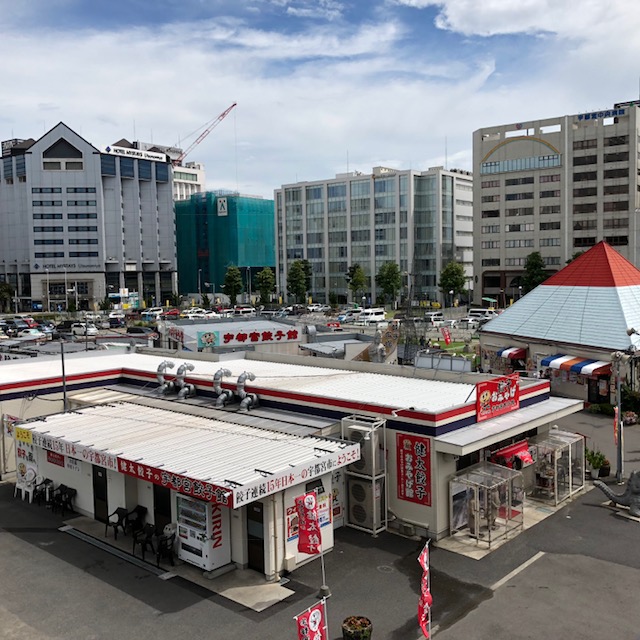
446	334
312	623
616	425
426	600
309	536
413	458
496	397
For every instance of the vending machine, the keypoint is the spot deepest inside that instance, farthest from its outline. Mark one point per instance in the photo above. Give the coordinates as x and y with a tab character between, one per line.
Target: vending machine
204	537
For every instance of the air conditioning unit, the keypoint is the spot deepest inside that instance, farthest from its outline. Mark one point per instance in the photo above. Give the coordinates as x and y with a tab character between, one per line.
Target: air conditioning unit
371	461
366	504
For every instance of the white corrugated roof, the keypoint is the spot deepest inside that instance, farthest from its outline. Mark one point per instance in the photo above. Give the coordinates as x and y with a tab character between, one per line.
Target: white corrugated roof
193	446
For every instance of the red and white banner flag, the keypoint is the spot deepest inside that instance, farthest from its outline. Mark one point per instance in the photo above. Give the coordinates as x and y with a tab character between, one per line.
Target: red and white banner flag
424	604
312	624
446	334
309	536
616	425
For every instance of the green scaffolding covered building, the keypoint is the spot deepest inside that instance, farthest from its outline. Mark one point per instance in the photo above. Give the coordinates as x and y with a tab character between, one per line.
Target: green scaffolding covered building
215	230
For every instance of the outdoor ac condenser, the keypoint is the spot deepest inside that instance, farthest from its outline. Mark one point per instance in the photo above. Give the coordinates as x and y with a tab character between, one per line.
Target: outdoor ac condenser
365	502
370	442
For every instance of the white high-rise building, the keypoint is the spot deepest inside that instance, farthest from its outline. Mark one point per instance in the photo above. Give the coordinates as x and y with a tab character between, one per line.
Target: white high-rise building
78	224
557	186
421	220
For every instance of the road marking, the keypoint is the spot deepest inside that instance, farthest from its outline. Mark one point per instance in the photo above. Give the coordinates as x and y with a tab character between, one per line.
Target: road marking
517	570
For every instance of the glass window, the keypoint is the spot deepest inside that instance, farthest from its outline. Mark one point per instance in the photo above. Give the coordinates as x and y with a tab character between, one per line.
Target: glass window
52	166
144	169
47	229
108	165
510	182
126	167
336	190
73	166
162	171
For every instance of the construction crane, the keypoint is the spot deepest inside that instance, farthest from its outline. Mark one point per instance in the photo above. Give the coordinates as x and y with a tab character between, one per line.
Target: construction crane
178	161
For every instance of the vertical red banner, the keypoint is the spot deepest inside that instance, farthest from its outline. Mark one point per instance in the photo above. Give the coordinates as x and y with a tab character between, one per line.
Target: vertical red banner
413	461
312	624
616	425
446	334
426	600
309	537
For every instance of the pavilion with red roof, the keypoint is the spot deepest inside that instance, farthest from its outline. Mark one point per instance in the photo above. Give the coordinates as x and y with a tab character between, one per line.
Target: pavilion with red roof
570	324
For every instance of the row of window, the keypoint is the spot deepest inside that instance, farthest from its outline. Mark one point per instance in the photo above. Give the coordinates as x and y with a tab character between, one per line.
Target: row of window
519	262
589	207
58	165
512	182
592	143
72	254
521	164
59	190
60	229
70	216
58	241
58	203
515	228
524	195
620	156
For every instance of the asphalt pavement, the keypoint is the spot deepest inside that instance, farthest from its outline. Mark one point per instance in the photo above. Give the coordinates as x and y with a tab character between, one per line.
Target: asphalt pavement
575	574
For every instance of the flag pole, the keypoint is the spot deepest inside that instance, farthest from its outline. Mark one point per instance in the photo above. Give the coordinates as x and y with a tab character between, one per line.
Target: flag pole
324	592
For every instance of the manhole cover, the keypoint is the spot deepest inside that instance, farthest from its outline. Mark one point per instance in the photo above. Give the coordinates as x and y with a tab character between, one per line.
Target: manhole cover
385	568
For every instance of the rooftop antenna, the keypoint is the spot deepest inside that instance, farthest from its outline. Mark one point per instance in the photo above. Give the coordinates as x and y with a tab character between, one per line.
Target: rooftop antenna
134	129
446	154
347	160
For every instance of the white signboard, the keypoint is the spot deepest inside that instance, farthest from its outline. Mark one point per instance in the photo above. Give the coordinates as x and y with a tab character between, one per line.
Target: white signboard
223	209
140	154
78	451
295	475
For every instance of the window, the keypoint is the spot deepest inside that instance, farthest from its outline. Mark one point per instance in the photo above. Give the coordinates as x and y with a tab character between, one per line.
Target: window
550	194
464	203
46	190
616	223
580	161
490	184
73	166
50	254
126	168
614	141
81	203
47	203
623	205
584	225
336	191
83	241
83	254
517	244
52	166
590	207
555	177
491	262
583	176
491	213
521	164
525	195
592	143
388	217
520	211
511	182
490	244
82	216
47	216
41	242
108	165
546	226
584	242
362	235
47	229
616	173
550	208
585	192
514	262
380	234
621	156
490	228
615	189
617	241
81	189
76	229
144	169
510	228
549	242
551	261
494	198
337	237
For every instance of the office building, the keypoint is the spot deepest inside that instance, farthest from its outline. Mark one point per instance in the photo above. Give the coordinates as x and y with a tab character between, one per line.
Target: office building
558	186
218	229
78	224
421	220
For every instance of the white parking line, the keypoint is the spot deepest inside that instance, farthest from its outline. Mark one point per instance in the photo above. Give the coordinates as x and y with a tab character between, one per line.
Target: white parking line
517	570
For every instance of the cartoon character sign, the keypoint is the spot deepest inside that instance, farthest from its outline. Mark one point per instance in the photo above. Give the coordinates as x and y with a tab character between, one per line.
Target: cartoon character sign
497	396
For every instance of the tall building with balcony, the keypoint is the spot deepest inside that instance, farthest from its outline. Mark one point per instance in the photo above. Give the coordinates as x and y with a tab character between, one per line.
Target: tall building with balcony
557	186
78	224
421	220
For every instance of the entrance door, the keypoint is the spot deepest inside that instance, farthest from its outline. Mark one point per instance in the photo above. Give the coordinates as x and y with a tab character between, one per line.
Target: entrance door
100	505
255	536
161	506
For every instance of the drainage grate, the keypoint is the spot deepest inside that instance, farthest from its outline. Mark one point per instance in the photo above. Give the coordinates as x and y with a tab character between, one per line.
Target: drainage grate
123	555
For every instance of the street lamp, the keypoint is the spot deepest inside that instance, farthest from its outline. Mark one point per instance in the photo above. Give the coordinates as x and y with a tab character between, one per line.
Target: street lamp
200	285
618	358
450	299
519	292
48	294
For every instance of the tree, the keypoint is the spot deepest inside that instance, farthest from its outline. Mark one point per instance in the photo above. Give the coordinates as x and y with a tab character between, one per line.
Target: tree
206	301
389	279
534	272
6	295
356	279
577	254
296	280
232	283
452	278
105	304
308	271
266	283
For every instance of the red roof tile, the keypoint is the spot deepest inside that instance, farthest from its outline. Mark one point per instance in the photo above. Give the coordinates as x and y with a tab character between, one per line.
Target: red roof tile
600	266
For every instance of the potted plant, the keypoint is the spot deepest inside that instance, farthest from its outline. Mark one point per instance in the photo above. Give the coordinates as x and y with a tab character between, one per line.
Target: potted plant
356	628
605	469
629	417
596	460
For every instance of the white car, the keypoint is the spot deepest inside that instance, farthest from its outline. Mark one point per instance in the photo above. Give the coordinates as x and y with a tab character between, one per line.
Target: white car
34	334
194	315
89	315
83	329
211	314
469	322
117	314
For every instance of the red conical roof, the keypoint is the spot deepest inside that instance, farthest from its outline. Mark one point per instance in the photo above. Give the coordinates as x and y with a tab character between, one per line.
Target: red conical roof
600	266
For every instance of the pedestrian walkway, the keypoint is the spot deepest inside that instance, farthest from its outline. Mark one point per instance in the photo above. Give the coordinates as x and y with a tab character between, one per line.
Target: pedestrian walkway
243	586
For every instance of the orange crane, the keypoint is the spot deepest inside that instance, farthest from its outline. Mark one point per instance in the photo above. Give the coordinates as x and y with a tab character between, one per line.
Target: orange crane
178	161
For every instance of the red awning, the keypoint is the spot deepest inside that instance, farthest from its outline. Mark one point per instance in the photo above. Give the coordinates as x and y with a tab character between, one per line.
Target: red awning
513	353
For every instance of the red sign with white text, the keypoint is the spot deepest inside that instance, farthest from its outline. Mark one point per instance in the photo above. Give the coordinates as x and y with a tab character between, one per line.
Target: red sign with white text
312	623
309	536
498	396
446	334
414	468
55	458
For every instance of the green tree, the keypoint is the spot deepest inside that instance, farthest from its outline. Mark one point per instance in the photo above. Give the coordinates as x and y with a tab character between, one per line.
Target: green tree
6	295
389	279
266	283
232	283
534	272
296	281
356	279
452	278
206	301
105	304
174	300
308	271
577	254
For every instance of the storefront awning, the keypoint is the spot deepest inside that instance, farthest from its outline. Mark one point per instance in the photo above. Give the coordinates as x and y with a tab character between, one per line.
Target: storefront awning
490	300
581	366
513	353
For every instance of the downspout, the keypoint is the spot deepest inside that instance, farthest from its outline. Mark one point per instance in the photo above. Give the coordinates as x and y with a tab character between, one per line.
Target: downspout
276	570
185	390
246	399
249	400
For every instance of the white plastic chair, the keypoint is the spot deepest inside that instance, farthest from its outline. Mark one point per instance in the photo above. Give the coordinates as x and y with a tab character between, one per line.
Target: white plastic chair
29	488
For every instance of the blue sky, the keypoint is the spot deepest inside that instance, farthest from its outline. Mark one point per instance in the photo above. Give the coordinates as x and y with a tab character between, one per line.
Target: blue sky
322	86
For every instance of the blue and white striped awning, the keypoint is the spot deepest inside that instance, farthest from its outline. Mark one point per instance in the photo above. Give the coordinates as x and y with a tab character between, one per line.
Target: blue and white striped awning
581	366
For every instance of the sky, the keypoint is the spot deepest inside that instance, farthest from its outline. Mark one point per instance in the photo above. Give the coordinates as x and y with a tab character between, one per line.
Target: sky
322	86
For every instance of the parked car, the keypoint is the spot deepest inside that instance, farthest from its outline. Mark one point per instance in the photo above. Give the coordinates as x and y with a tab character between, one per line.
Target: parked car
171	313
349	316
30	322
468	322
371	316
142	332
90	316
13	326
153	313
116	323
244	311
489	314
117	314
65	326
434	318
210	314
84	329
34	334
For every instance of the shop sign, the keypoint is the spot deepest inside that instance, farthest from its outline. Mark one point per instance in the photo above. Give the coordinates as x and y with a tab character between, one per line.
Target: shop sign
446	334
295	475
413	461
311	624
598	115
177	334
72	464
87	454
23	435
309	537
140	154
241	337
55	458
498	396
182	484
26	465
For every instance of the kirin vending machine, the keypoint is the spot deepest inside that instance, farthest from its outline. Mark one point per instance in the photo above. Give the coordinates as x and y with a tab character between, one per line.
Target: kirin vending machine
204	537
